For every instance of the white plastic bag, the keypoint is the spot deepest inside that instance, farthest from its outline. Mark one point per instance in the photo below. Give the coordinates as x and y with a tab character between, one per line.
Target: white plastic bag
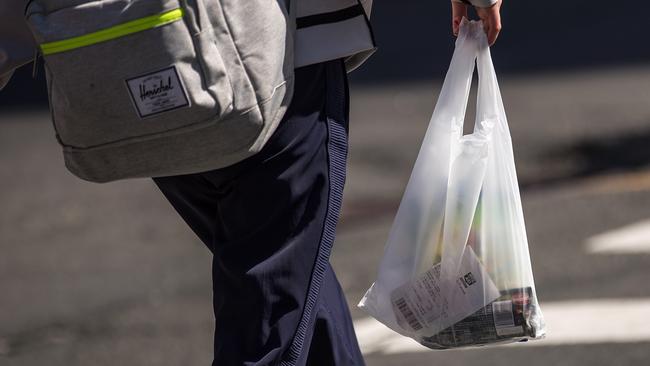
456	270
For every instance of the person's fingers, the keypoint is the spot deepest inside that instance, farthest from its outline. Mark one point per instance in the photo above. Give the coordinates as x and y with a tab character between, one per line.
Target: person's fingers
494	29
491	21
456	26
458	11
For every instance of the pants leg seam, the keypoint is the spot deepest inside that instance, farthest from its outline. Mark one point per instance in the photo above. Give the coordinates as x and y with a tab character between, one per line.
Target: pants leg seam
336	151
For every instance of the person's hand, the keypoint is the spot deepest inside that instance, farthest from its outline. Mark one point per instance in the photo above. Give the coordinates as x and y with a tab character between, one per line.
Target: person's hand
458	12
491	18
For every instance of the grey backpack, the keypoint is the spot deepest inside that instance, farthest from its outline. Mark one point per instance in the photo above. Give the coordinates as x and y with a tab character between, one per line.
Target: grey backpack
144	88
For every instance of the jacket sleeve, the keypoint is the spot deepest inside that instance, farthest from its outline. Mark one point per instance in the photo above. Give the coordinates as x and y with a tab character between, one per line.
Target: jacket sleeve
16	41
477	3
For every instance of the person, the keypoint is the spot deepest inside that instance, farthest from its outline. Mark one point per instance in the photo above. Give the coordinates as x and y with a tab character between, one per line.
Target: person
269	220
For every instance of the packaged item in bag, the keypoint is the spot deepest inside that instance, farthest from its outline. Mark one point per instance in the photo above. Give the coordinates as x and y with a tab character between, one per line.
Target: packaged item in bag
506	319
456	270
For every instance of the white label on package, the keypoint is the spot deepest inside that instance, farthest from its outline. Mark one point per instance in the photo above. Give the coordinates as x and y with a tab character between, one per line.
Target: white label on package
421	306
504	319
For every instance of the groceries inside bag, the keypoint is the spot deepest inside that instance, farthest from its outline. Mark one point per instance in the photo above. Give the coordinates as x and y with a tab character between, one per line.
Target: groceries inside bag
456	271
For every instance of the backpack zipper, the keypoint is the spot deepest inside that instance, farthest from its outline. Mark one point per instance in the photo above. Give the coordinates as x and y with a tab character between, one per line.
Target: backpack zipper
107	34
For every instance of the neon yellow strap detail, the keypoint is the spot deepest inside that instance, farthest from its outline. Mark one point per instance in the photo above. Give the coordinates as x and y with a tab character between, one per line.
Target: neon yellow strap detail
117	31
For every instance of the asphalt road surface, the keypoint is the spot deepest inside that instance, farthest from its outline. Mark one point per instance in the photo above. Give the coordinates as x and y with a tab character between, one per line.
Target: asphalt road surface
109	275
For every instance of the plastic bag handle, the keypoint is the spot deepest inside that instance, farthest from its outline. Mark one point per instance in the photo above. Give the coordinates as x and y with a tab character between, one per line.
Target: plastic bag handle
458	80
471	49
489	106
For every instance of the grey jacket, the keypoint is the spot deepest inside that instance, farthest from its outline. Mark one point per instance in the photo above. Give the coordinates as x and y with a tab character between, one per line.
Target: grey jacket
326	29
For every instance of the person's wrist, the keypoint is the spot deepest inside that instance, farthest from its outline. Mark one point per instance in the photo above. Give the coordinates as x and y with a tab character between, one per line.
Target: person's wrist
485	3
477	3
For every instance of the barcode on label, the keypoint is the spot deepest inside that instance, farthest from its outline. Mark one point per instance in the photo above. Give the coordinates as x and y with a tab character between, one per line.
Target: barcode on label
408	313
502	313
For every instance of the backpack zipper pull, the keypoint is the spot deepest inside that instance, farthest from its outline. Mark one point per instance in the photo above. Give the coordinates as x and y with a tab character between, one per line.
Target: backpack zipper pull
37	54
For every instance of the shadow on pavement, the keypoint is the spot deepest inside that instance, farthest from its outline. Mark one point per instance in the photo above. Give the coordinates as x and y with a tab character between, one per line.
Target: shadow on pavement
596	156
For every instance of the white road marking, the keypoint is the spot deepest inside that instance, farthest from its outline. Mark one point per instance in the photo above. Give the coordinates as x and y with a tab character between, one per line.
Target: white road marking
630	239
567	323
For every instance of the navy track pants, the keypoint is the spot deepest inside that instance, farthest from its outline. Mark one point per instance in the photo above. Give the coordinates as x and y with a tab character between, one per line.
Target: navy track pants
269	222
